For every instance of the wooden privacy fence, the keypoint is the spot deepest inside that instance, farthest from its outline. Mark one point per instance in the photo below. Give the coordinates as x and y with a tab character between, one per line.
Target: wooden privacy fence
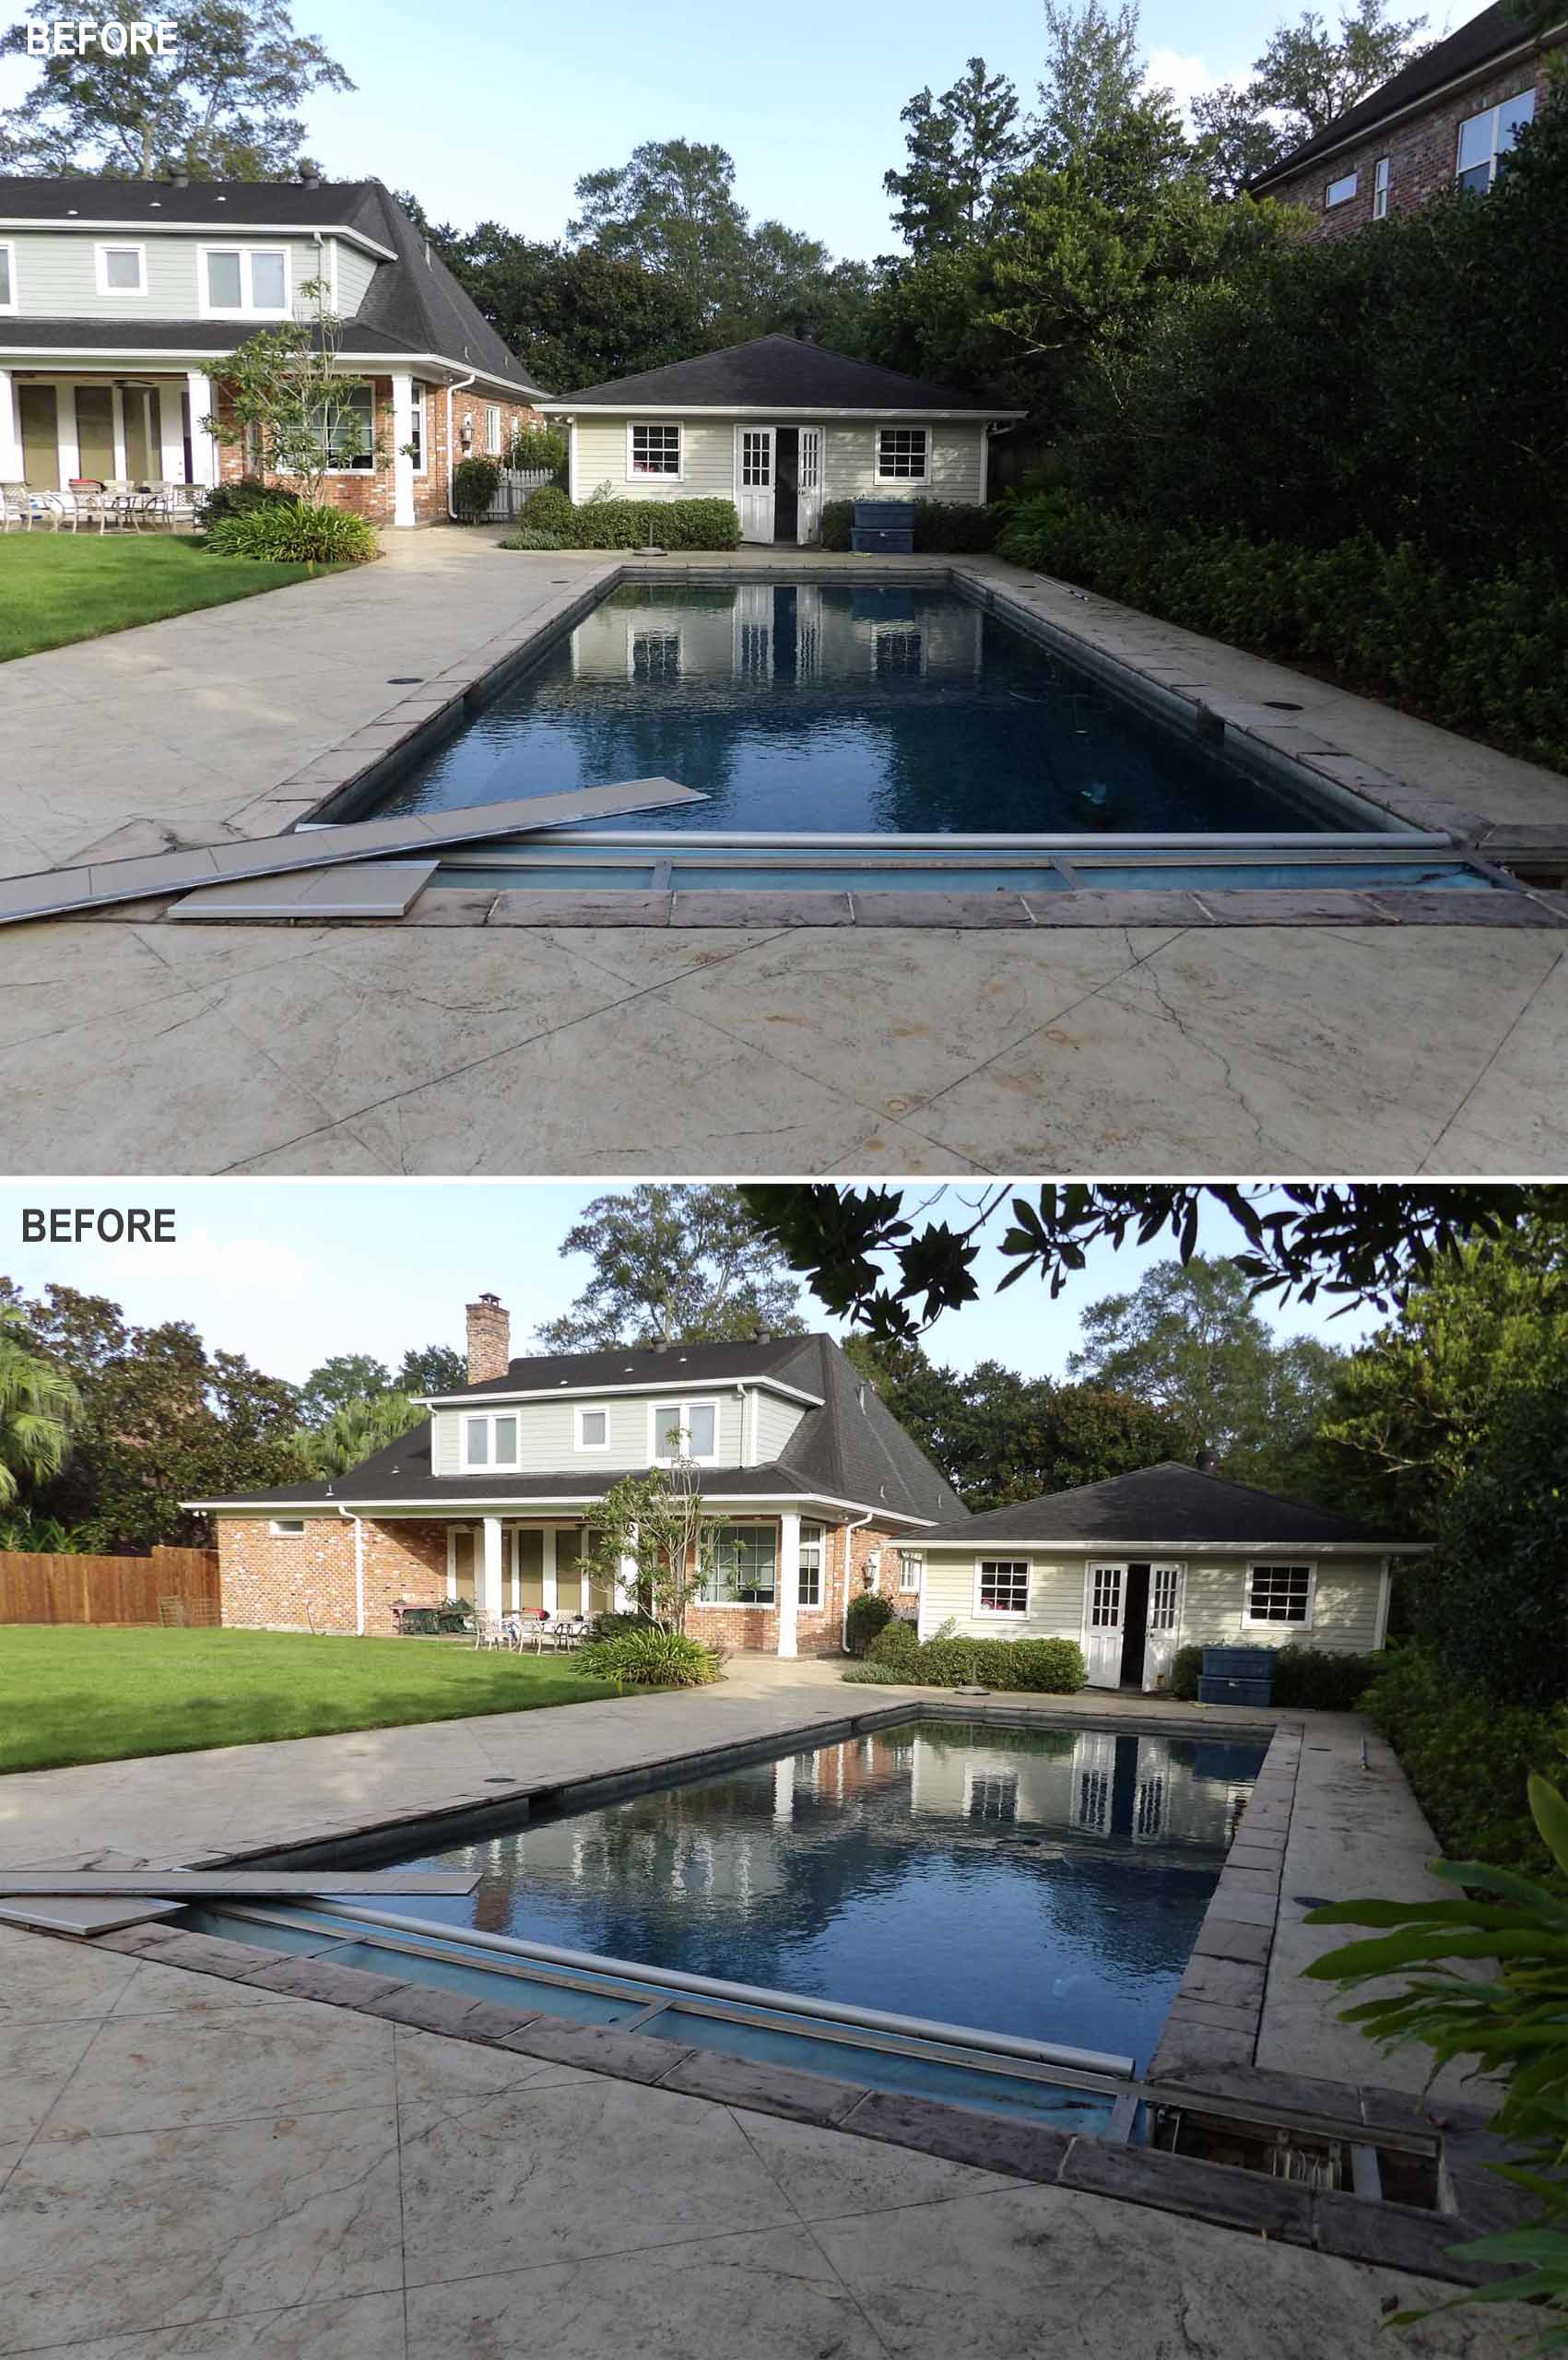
106	1589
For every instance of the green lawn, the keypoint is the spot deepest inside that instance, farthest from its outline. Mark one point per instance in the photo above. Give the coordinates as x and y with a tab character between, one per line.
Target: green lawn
60	586
77	1694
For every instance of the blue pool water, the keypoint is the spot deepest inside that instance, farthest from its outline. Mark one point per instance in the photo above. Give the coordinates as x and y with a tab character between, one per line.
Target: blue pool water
817	708
1044	1882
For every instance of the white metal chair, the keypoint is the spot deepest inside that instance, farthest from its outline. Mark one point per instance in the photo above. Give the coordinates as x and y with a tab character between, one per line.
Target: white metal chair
488	1630
91	498
24	506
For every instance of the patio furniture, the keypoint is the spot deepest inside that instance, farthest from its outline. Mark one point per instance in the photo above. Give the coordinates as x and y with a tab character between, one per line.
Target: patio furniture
488	1629
89	497
22	506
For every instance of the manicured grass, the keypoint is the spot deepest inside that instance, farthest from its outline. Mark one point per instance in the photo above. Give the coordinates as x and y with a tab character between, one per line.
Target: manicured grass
78	1695
59	586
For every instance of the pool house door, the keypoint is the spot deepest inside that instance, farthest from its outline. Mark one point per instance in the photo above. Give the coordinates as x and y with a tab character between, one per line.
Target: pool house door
754	474
809	501
1104	1597
1164	1624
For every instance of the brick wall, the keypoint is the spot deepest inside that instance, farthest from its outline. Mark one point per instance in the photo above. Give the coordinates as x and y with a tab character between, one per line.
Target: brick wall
371	494
1422	150
282	1582
819	1629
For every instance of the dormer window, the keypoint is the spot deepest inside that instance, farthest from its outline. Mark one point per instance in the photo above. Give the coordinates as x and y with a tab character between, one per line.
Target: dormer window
489	1443
241	281
684	1430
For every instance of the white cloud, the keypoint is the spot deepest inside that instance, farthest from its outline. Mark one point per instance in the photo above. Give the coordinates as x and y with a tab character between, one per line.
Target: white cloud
1185	76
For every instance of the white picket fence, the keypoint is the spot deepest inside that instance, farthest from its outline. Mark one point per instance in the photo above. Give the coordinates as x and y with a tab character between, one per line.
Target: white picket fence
513	490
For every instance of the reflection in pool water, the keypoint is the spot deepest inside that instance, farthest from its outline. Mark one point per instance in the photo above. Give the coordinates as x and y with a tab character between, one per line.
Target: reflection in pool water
806	707
1048	1883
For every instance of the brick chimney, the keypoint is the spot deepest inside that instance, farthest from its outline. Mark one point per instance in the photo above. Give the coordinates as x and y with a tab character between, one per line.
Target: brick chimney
489	1339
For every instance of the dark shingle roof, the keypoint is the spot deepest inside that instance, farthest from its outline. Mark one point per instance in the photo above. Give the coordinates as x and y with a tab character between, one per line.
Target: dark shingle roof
1492	34
776	372
1165	1503
644	1365
284	205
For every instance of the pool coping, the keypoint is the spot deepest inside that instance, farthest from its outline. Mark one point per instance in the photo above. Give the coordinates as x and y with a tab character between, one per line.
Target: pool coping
1203	2059
428	712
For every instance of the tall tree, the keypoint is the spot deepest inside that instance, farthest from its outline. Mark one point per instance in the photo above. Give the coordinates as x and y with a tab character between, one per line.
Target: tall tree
347	1376
673	1265
1306	77
354	1430
959	146
39	1404
1093	76
223	106
432	1368
672	208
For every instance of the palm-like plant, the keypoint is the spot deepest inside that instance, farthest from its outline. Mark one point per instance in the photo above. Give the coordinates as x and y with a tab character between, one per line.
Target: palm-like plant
39	1404
354	1430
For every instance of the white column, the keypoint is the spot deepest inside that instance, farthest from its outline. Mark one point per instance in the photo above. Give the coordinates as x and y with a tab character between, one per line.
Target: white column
789	1581
515	1565
204	450
626	1579
784	1791
402	435
65	430
548	1569
117	428
10	431
488	1583
585	1605
170	434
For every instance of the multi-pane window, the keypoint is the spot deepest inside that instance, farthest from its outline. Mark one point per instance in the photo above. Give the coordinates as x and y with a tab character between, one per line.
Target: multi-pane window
655	656
1165	1598
1339	191
121	270
810	1592
7	279
1105	1598
593	1429
490	1439
912	1568
994	1794
740	1565
1486	139
901	454
756	458
685	1430
1280	1594
1148	1808
1380	189
656	450
417	431
492	429
899	653
346	424
1004	1585
246	278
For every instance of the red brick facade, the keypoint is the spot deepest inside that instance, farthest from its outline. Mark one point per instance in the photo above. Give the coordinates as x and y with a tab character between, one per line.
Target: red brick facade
371	494
1423	148
819	1629
306	1581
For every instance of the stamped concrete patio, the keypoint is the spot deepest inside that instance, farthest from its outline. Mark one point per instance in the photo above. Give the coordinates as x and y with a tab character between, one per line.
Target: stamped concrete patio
437	1047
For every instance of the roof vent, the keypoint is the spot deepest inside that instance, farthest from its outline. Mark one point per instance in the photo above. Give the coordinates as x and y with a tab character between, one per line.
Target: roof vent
179	176
310	177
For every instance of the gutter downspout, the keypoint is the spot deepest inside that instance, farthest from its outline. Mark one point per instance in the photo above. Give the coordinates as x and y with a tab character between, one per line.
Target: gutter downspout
358	1524
858	1525
459	386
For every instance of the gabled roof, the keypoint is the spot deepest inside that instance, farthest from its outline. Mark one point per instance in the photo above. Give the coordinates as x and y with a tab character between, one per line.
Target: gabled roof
1492	34
413	304
624	1364
777	372
1167	1504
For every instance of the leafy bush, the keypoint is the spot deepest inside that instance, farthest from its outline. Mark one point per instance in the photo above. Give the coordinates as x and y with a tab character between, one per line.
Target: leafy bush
547	511
1467	1757
671	524
1322	1681
956	526
898	1643
1486	656
529	540
297	535
475	483
649	1657
244	498
538	446
1186	1666
1048	1667
867	1615
838	522
877	1675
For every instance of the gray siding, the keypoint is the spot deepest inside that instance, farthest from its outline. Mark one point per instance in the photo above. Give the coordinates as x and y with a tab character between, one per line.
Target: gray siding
707	461
776	1420
57	273
355	272
1213	1606
849	465
549	1434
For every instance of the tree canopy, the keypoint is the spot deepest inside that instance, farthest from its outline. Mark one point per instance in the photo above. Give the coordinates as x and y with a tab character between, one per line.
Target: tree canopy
673	1265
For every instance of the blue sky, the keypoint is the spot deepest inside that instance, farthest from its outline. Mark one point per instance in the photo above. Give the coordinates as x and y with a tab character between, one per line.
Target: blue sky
495	112
291	1271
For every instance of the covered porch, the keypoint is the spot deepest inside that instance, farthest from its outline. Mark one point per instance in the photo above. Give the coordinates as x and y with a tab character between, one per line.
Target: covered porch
107	424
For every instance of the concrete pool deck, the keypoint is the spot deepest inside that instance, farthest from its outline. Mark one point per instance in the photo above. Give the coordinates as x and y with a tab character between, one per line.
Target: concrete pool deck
432	1046
196	2166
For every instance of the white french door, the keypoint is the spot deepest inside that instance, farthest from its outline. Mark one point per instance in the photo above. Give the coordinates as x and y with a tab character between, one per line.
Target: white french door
1151	1794
808	512
754	473
1094	1766
1104	1602
1165	1625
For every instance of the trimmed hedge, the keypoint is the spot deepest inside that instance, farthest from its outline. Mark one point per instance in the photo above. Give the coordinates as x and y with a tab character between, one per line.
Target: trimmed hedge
1049	1667
877	1675
475	483
548	510
867	1615
244	498
529	540
953	526
673	524
295	535
1487	655
1468	1759
898	1643
1304	1677
1185	1666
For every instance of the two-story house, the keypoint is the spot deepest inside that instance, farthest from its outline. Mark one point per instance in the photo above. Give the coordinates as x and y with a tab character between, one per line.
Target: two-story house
820	1491
1447	118
119	301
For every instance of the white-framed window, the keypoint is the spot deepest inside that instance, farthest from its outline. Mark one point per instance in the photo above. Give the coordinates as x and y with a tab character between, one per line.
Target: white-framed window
683	1430
492	429
811	1590
1339	191
993	1795
911	1569
653	451
593	1428
1380	189
287	1527
1280	1593
1485	139
417	435
741	1565
238	282
347	427
7	276
904	454
1002	1585
654	655
490	1440
122	269
898	652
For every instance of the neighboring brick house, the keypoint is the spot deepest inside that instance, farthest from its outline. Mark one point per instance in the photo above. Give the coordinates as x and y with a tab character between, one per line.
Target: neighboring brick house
1447	116
119	301
822	1494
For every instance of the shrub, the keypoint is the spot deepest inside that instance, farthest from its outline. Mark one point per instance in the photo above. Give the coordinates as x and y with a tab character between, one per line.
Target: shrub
1048	1667
671	524
297	535
534	448
867	1615
956	526
897	1643
242	497
1468	1758
547	511
838	522
649	1657
1185	1666
529	540
877	1675
1322	1681
475	483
